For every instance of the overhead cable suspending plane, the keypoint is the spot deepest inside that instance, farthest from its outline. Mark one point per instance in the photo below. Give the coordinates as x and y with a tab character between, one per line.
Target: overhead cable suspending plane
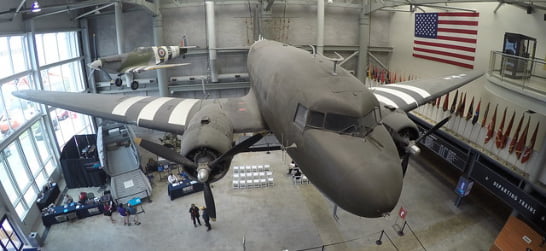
353	143
139	60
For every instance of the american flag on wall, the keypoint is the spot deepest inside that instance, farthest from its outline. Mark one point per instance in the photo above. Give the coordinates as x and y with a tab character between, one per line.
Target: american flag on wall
447	37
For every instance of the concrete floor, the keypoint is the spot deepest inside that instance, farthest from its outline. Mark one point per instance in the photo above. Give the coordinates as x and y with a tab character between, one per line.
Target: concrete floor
295	217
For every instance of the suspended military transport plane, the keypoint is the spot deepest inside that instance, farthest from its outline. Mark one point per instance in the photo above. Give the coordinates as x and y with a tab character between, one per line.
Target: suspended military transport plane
352	142
139	60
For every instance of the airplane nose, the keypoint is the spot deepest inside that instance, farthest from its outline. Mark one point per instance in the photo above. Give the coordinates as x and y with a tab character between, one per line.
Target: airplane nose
97	64
361	175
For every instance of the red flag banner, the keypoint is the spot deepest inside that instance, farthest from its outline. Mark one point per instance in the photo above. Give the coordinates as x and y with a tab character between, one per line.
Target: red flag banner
498	138
470	110
491	126
447	37
506	133
515	138
529	149
446	102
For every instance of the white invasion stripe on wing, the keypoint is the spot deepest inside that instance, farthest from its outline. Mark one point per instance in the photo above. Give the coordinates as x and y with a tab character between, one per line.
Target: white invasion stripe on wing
180	112
121	108
148	112
385	100
407	98
418	90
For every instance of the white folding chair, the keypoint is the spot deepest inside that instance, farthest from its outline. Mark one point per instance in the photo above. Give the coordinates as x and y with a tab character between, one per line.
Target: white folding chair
261	174
236	169
263	182
270	181
235	176
304	179
257	183
254	168
249	183
260	168
267	168
242	183
236	184
269	174
248	169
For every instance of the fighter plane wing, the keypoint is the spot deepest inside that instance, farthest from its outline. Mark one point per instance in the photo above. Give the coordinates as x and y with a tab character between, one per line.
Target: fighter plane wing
159	113
141	68
411	94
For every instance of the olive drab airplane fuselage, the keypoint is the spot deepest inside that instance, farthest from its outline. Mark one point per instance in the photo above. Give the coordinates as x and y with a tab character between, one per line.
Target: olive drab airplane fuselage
346	138
139	60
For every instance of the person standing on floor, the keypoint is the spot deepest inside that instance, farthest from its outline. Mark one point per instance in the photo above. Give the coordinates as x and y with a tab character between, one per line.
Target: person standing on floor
133	212
206	218
194	212
109	208
123	213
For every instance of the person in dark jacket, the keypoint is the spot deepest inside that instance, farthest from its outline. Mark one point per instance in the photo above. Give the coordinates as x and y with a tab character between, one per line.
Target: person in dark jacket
206	217
194	212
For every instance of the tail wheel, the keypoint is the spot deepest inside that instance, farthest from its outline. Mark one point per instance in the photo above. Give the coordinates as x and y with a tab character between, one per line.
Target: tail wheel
134	85
118	82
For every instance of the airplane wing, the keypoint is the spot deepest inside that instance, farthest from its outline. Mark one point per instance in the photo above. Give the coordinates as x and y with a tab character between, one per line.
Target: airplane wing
411	94
159	113
141	68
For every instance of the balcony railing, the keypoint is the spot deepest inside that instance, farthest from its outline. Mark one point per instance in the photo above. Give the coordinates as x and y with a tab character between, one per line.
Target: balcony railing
527	73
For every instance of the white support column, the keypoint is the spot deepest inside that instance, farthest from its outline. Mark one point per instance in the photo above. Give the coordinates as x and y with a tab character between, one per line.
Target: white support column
364	42
162	82
211	36
320	26
119	27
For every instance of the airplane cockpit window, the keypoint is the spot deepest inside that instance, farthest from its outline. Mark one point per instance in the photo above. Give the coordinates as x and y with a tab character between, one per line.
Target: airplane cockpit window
341	123
315	119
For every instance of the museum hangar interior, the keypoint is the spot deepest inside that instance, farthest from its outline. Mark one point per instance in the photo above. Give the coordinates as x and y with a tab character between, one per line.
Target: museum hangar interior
478	182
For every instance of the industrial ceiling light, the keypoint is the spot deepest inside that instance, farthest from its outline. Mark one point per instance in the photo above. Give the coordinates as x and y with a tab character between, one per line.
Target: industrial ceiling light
35	7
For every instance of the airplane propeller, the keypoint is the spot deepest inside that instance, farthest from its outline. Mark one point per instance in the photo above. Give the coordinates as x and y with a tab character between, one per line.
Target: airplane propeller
405	158
203	168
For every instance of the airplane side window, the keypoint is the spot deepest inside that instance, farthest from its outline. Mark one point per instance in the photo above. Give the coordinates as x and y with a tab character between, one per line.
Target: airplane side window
301	116
315	119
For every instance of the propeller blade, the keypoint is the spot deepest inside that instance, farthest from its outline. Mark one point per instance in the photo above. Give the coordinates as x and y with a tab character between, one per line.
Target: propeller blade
164	152
209	201
405	159
433	129
243	146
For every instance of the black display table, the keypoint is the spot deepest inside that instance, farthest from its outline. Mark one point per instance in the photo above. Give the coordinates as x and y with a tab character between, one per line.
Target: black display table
49	196
60	213
183	188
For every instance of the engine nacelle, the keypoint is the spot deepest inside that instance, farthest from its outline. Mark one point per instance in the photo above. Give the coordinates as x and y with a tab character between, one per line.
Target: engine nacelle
208	135
402	129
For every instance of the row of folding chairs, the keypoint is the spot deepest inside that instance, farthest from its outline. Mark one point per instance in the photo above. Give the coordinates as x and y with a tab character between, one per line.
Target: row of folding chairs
300	180
253	183
251	168
252	175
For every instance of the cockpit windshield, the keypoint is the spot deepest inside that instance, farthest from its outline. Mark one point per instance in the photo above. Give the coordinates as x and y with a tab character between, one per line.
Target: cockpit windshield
344	124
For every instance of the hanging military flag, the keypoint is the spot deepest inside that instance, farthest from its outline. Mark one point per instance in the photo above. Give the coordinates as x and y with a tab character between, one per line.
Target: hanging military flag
498	138
446	102
438	102
477	113
491	126
507	132
522	139
470	109
485	114
454	103
529	149
460	108
515	138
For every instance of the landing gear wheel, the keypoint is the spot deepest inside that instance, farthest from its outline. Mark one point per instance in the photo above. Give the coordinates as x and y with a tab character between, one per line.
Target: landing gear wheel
134	85
118	82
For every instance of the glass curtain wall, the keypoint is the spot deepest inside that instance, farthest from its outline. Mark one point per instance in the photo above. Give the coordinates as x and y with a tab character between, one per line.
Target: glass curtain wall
27	160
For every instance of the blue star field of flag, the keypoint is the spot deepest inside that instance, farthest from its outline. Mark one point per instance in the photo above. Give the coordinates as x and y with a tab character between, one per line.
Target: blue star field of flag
426	25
